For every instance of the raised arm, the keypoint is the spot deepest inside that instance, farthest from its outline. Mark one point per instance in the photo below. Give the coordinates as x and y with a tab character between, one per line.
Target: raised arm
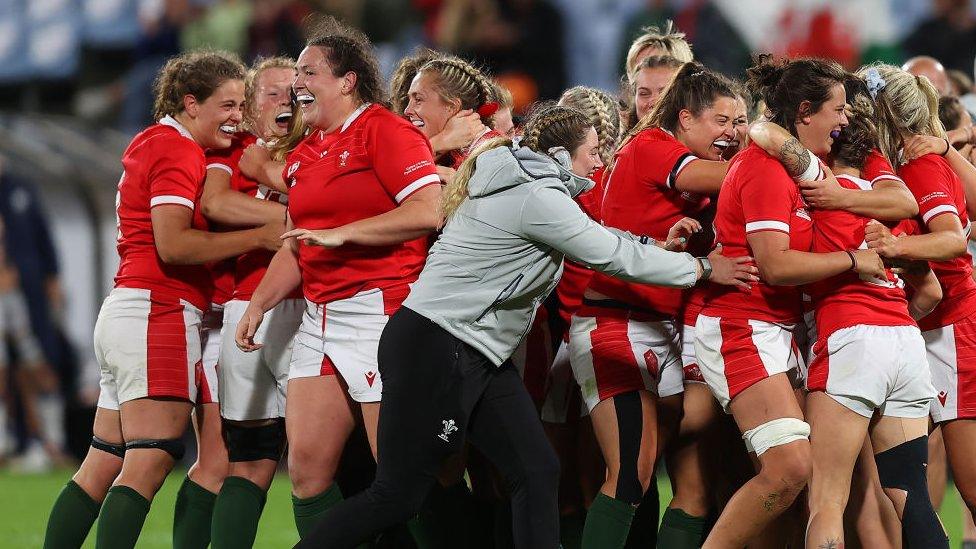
226	206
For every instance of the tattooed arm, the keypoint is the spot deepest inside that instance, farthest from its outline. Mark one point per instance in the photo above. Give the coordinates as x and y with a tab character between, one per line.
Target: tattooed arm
887	201
778	142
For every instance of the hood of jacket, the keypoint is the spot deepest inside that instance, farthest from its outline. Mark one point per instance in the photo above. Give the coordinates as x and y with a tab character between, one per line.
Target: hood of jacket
506	167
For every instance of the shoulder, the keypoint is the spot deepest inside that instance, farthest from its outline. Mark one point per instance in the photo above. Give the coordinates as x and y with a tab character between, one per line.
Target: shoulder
925	165
160	142
754	161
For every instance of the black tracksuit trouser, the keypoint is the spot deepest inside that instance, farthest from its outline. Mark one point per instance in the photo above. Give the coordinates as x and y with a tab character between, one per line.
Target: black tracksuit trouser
438	392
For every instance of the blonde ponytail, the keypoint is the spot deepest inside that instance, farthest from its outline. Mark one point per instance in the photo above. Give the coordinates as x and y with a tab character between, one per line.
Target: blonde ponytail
457	190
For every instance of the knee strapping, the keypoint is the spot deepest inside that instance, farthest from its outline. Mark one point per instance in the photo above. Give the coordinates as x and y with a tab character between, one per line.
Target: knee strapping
173	447
117	450
630	424
255	443
775	433
903	468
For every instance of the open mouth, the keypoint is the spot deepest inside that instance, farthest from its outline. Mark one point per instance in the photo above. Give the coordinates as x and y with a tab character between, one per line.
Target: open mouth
228	129
305	99
722	144
282	119
417	123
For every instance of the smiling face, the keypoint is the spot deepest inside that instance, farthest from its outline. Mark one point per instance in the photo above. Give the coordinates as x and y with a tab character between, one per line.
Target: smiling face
586	157
214	122
814	130
649	85
272	102
426	108
710	133
325	99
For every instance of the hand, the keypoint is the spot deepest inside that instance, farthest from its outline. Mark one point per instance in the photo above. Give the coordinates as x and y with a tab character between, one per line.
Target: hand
327	238
868	263
879	238
270	235
740	272
826	193
446	174
247	327
461	130
921	145
253	161
679	234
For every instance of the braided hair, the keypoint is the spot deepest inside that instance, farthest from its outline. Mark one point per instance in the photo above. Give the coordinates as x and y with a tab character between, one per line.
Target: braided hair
860	136
548	126
456	79
601	109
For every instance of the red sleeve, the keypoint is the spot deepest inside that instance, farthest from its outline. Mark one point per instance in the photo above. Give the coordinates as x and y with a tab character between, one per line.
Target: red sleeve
402	158
768	195
930	184
877	168
660	160
226	159
176	174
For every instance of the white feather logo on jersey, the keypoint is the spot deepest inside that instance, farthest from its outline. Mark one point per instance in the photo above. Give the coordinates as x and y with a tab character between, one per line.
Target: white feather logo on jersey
343	157
293	168
449	428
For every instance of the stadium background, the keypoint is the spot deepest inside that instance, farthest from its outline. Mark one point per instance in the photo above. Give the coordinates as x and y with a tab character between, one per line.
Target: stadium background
75	85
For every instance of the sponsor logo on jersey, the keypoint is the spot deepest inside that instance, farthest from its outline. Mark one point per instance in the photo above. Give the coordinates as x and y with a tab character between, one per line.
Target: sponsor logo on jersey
942	397
802	213
370	378
449	427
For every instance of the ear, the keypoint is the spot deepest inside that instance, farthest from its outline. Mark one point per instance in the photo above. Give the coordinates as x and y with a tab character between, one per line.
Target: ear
191	106
349	83
803	112
454	106
684	119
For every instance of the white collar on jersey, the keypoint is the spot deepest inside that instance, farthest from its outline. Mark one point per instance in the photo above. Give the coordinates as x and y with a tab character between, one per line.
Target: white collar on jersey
171	122
355	114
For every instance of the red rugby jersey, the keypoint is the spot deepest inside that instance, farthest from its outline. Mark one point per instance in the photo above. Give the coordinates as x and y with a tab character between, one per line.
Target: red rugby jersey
758	195
162	165
375	161
849	299
939	192
877	168
640	198
249	268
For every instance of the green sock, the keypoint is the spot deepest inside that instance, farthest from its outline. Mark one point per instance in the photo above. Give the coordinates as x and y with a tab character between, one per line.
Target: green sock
120	523
191	522
236	513
607	523
71	518
308	511
681	530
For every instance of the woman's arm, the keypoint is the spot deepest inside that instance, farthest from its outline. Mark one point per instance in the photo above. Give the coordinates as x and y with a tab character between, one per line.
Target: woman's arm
888	200
222	204
928	293
945	240
551	217
781	266
702	177
177	243
257	164
461	130
417	216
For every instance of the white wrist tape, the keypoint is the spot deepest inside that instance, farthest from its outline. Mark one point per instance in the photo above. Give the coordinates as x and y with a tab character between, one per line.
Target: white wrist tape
813	172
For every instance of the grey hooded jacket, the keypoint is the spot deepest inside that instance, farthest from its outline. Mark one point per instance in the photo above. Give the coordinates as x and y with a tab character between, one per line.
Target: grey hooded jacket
501	253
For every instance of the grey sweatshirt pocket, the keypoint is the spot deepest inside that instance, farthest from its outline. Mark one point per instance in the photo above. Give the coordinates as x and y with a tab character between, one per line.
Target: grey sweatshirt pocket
506	293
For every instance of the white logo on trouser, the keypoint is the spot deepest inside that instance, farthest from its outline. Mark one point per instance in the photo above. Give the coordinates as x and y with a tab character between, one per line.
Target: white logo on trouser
449	428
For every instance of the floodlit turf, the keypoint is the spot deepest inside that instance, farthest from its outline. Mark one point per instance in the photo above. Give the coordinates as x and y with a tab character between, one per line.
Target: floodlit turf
26	500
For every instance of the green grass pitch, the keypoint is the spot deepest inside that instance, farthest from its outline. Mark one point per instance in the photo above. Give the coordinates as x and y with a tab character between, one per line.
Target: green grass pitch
26	500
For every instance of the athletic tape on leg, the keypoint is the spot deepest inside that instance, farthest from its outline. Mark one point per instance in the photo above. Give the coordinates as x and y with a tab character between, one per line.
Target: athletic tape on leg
173	447
775	433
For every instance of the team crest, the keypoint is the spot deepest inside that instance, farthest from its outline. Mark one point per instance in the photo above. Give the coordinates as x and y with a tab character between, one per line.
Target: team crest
293	168
343	157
